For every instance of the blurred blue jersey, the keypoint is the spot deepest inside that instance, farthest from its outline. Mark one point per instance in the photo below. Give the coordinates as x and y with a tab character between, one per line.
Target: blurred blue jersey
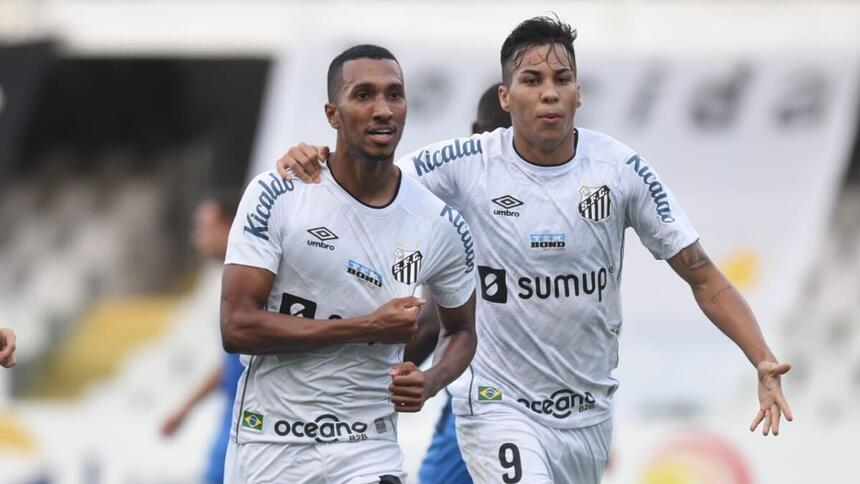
443	463
233	369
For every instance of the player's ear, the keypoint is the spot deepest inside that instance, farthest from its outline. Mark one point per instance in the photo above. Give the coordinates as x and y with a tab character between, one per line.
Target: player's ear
331	115
503	98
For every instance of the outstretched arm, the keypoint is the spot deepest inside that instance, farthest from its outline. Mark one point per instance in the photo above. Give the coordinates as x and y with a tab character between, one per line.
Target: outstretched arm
247	327
207	386
729	312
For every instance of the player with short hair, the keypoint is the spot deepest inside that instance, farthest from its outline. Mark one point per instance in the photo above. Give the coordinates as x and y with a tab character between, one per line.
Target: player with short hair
213	217
317	289
550	203
443	462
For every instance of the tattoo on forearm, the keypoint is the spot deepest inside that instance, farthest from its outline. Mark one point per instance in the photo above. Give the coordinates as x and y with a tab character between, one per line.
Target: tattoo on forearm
717	295
694	257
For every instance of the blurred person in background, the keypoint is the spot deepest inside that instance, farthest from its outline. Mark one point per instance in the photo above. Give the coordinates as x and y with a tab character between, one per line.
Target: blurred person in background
7	348
317	291
443	463
551	203
212	220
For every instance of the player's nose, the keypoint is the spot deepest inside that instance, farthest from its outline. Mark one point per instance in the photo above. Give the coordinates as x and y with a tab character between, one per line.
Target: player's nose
382	111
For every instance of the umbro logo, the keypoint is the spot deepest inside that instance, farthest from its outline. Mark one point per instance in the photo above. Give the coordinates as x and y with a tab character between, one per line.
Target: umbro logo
323	235
507	202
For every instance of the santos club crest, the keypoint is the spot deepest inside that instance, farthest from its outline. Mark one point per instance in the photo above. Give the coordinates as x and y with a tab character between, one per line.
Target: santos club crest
406	266
596	204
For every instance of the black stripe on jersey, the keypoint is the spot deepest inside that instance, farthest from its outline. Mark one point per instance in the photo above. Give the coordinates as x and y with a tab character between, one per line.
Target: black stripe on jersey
242	402
471	384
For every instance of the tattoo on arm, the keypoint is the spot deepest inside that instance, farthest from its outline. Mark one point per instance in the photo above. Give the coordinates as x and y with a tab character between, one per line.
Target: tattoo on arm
694	257
717	295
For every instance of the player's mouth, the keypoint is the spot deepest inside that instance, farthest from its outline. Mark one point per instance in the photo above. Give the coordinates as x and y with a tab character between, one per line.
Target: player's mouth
551	118
382	134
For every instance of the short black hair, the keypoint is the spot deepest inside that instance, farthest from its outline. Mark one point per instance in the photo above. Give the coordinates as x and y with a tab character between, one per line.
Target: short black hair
534	32
490	113
363	51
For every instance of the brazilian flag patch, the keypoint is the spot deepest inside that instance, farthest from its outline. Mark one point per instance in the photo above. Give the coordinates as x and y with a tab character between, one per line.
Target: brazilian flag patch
252	421
489	394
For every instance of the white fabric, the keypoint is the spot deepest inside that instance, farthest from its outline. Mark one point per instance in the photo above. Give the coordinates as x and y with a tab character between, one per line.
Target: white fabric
337	463
335	257
503	445
549	245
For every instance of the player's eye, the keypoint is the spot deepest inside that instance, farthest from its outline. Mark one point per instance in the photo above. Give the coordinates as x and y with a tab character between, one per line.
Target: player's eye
565	80
396	95
362	95
530	81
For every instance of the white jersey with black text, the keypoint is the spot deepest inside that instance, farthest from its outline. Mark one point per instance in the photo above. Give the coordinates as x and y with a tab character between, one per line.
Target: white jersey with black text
549	244
334	257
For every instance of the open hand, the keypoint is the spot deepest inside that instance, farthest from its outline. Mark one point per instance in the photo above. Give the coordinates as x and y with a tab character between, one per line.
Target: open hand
771	400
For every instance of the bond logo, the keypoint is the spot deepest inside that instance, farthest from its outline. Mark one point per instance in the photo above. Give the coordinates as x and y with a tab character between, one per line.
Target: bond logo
323	235
325	428
297	306
407	265
596	204
364	274
547	241
494	288
561	404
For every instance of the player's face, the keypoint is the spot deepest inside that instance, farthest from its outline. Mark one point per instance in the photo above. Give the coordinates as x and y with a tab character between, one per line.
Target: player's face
210	231
543	96
370	111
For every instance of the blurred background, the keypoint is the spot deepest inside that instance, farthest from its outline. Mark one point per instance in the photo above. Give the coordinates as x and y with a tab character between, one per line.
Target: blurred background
117	119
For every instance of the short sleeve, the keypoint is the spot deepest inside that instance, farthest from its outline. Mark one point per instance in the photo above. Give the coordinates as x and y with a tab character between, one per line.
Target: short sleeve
452	263
653	211
255	237
448	168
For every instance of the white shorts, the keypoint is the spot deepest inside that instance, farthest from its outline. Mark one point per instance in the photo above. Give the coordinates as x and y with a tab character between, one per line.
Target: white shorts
365	462
504	446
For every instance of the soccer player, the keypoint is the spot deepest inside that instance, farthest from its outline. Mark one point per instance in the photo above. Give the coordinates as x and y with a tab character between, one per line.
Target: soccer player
318	287
550	203
212	220
443	463
7	348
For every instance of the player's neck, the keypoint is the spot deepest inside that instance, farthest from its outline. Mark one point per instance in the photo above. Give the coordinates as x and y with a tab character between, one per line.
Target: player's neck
545	154
372	182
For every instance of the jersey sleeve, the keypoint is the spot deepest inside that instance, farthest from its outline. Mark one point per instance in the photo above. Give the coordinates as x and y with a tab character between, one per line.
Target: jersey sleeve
255	237
448	168
653	211
452	262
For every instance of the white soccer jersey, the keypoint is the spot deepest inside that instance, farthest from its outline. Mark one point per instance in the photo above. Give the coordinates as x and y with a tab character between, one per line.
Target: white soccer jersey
335	257
549	244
